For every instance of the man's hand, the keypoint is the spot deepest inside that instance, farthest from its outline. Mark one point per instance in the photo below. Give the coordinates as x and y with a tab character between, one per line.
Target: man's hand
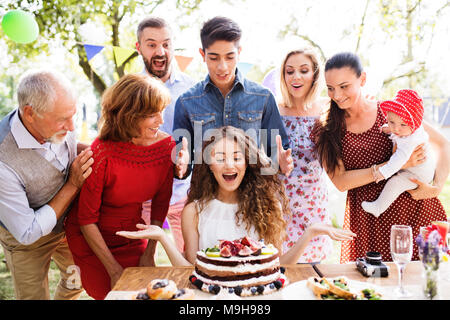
284	158
81	168
182	161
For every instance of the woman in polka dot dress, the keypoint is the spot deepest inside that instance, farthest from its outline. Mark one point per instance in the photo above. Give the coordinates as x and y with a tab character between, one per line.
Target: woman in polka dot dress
306	187
350	142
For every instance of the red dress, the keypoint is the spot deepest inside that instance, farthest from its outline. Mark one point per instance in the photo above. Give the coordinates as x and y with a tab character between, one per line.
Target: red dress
123	177
361	151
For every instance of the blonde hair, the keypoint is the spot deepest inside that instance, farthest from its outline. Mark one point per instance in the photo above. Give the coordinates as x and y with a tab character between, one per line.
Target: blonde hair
286	97
124	104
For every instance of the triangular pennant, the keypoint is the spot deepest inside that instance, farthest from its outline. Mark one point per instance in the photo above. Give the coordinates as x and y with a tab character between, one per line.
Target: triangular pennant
92	50
183	62
121	54
244	67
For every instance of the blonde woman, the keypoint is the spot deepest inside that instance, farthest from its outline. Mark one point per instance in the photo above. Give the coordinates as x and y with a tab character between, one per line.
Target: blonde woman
306	187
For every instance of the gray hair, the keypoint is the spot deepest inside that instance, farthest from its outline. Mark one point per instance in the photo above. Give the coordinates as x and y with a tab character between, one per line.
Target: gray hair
39	88
152	22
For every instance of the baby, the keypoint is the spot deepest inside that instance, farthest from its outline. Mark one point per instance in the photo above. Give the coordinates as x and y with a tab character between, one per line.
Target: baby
404	118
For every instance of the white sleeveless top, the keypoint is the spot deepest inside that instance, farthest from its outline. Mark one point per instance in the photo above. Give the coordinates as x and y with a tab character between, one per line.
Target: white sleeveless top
217	222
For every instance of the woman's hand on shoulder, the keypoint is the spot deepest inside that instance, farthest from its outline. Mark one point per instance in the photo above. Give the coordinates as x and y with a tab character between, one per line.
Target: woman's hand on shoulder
146	232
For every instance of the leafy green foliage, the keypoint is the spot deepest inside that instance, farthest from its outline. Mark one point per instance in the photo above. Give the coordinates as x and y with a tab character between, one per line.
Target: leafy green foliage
62	22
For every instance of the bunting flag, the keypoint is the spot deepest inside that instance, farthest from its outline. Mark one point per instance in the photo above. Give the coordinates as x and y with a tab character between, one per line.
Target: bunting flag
121	54
244	67
183	62
92	50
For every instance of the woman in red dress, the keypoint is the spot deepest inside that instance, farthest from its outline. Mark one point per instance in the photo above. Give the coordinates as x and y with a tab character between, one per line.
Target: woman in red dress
352	146
132	163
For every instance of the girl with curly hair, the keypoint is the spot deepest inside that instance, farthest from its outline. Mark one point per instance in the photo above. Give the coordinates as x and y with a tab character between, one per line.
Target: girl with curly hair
231	197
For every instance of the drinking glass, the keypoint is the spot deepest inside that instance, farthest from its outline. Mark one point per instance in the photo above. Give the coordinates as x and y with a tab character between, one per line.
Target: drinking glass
401	252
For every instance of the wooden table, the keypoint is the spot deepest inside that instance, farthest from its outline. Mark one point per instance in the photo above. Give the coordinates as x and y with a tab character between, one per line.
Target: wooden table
412	279
137	278
412	274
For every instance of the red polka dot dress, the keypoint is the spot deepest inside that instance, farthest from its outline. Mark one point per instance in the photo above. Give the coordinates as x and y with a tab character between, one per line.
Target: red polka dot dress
361	151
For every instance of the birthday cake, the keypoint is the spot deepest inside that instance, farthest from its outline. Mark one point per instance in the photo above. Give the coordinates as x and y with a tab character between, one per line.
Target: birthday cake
244	267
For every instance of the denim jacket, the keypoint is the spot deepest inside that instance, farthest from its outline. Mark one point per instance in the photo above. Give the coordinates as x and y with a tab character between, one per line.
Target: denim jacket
248	106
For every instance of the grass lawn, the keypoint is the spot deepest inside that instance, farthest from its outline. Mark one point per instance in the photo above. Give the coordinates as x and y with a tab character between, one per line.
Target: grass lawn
7	289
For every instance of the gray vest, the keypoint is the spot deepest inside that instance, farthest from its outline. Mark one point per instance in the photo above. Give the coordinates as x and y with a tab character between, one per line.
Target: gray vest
41	179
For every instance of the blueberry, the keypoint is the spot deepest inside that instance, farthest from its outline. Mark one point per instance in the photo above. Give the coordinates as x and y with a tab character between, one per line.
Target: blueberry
253	290
260	289
282	269
142	296
214	289
161	284
272	286
179	293
278	284
238	290
230	290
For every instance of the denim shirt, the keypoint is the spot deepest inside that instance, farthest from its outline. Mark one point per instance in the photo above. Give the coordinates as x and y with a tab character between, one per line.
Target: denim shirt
248	106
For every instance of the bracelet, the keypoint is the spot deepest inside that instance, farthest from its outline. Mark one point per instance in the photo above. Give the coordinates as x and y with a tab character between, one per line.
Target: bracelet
377	176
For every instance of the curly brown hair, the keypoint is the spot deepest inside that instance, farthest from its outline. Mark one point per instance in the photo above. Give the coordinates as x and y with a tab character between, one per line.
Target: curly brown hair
262	200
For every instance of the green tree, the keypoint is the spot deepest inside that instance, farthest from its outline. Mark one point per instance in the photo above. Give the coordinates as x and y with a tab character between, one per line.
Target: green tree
62	21
412	22
6	94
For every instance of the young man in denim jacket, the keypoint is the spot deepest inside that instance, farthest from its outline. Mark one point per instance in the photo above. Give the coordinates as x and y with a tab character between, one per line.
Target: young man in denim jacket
225	97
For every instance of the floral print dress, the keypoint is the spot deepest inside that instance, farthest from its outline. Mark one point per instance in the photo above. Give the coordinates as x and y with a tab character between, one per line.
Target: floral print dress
306	189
